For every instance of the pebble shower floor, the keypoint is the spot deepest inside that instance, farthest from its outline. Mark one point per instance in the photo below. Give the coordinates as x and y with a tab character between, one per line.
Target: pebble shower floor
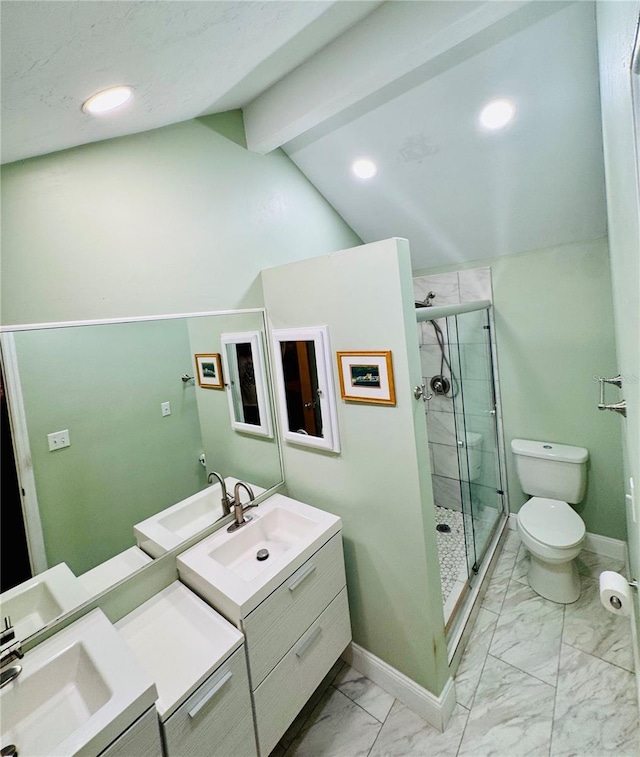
451	548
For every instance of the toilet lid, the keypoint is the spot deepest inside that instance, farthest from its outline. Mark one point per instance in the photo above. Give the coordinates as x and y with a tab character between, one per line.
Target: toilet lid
552	522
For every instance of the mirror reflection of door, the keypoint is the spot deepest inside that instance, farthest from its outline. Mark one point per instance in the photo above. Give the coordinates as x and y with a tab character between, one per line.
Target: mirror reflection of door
248	394
301	387
14	551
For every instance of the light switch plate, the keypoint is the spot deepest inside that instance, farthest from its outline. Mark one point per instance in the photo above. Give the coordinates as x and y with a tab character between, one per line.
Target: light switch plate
166	408
58	440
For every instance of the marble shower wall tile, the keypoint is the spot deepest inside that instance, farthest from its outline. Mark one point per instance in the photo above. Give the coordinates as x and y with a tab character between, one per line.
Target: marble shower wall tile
428	332
431	360
364	692
445	460
441	428
405	733
590	628
596	709
512	714
475	284
475	655
446	492
445	285
438	403
337	727
529	633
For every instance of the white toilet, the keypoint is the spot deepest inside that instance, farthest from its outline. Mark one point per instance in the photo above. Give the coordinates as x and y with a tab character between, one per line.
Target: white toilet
555	475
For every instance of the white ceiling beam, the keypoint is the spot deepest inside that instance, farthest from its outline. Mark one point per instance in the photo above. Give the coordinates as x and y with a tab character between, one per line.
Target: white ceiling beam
379	52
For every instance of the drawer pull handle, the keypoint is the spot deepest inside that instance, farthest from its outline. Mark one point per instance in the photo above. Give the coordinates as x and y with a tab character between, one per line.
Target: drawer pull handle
305	645
210	694
301	577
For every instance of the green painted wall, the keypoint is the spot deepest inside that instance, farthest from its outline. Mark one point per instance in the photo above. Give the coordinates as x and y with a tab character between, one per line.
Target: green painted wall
126	461
617	25
554	332
379	484
232	453
180	219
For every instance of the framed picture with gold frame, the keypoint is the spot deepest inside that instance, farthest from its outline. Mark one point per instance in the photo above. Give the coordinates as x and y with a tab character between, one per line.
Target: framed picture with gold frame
367	377
209	371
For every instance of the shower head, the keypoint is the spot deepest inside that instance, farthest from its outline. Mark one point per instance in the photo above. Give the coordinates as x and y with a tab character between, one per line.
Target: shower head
426	303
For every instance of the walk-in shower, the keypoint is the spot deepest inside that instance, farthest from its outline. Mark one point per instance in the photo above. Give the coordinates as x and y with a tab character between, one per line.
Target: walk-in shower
465	441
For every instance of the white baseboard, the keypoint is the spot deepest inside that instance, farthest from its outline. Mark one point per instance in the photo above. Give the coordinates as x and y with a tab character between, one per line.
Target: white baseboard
601	545
435	710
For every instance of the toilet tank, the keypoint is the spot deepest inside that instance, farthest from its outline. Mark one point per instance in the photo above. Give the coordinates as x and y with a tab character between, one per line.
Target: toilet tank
554	471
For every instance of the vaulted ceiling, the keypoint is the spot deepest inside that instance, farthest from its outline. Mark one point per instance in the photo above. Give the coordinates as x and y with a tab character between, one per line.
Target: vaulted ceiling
399	82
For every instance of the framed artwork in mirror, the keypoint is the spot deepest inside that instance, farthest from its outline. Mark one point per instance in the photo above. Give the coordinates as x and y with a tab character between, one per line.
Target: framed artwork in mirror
244	369
305	387
209	371
366	377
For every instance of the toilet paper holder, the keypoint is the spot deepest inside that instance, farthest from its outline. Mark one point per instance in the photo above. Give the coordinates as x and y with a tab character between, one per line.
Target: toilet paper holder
615	602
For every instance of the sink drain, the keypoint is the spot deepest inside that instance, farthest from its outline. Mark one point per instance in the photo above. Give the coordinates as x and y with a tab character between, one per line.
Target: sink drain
444	528
262	554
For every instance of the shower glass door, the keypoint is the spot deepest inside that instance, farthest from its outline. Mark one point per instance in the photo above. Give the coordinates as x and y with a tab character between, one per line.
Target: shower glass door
474	408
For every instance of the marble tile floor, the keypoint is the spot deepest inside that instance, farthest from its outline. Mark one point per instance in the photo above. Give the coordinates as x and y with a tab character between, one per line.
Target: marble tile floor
537	680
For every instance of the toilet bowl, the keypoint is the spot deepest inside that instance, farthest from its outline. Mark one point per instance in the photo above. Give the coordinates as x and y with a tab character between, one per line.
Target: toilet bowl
553	534
551	530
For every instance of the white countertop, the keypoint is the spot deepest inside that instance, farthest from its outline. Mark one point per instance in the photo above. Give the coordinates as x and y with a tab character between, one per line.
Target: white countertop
179	640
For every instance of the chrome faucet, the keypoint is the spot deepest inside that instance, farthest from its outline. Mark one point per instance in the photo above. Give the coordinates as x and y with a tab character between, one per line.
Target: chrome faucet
227	500
239	508
10	652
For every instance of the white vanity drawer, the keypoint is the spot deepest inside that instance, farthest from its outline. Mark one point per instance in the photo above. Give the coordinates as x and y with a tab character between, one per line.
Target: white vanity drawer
275	625
217	718
282	694
141	739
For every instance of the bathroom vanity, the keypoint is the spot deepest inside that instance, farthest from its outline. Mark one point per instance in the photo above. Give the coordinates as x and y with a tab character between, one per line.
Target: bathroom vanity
219	663
197	660
291	606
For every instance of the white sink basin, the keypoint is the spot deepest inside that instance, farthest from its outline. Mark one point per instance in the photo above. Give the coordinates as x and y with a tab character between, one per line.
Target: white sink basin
277	530
43	598
176	524
224	569
77	692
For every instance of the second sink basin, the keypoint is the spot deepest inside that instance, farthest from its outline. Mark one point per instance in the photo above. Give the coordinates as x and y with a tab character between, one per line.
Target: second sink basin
76	693
225	568
169	528
35	603
54	701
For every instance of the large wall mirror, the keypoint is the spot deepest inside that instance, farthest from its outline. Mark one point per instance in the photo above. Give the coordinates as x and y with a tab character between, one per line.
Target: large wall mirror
115	428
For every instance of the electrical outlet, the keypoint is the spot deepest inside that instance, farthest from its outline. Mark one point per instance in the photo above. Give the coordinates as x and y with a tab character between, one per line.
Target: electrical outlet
166	408
58	440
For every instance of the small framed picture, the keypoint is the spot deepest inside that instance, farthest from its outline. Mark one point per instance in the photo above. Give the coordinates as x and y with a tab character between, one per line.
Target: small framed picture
367	377
209	370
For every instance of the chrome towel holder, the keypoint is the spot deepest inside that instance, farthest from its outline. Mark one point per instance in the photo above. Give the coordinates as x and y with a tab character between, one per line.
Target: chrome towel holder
617	407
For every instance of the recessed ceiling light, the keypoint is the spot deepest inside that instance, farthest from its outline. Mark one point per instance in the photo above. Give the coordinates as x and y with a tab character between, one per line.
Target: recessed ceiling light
497	114
108	99
364	168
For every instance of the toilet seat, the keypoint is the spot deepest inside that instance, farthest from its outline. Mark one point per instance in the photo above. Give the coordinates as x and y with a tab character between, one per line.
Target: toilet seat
551	522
